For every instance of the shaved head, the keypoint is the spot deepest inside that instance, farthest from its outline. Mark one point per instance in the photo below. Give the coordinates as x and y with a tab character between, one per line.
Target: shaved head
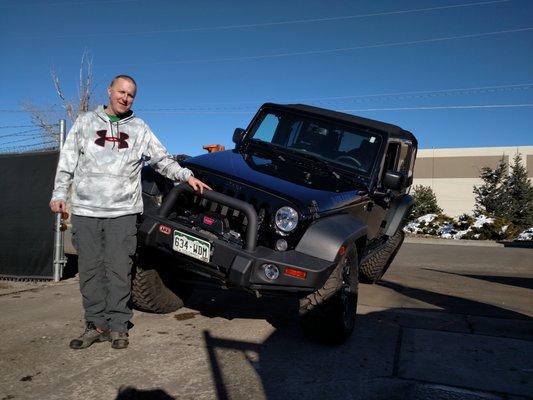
127	77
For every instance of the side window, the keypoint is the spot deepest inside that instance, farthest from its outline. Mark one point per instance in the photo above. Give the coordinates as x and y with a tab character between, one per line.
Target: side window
405	158
267	129
391	157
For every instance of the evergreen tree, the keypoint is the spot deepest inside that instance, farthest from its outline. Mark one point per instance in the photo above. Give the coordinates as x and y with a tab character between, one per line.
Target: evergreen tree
425	202
519	191
491	196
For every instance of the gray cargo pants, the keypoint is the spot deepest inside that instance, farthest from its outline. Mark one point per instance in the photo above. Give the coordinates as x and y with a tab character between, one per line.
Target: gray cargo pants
105	248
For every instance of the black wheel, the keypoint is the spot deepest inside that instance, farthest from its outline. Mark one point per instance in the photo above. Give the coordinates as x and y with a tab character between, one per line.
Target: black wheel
151	293
372	269
328	314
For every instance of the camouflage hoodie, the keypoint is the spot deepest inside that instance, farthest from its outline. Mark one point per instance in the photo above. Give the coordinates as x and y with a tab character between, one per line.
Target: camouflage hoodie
102	160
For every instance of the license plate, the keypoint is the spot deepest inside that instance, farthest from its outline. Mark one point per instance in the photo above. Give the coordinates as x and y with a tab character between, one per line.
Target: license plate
191	246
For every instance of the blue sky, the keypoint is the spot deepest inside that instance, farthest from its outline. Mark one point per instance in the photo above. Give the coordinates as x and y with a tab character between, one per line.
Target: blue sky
456	73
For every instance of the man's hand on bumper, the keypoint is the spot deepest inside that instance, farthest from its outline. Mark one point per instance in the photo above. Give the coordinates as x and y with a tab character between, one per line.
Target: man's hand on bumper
197	184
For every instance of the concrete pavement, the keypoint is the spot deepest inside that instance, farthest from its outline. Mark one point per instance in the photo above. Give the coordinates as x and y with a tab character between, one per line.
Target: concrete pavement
447	322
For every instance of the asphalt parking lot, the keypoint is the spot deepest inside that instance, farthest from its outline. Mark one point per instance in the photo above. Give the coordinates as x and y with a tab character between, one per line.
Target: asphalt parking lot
447	322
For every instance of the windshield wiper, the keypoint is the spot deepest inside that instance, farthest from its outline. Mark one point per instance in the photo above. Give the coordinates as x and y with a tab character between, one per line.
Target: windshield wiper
311	160
318	162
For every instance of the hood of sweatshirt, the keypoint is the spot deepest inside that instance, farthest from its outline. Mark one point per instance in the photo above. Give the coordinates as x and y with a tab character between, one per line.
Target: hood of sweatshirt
100	111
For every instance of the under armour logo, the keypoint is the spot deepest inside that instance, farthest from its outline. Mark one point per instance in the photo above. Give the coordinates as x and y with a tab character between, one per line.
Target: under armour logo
122	139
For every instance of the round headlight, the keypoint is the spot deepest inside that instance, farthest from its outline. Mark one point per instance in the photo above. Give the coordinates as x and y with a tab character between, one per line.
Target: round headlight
286	219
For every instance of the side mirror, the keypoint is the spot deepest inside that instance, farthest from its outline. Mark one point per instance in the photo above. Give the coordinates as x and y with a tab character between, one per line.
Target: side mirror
238	135
394	180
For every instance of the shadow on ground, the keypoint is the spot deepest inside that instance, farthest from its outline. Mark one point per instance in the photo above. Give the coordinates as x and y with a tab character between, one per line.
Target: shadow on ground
130	393
526	283
369	365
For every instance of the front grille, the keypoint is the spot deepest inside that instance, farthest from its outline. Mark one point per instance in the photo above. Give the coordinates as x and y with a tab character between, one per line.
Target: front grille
190	206
237	219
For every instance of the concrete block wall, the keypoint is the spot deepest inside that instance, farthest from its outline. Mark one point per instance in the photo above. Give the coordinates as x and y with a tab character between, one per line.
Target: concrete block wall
452	173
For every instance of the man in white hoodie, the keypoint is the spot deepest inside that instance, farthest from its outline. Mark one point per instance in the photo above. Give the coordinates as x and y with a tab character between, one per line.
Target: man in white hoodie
102	160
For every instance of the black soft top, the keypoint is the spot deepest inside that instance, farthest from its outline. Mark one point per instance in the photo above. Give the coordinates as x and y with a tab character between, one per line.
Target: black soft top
392	130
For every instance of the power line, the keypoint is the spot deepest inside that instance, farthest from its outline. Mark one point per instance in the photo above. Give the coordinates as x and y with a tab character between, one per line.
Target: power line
106	2
51	110
394	95
25	139
325	51
22	133
458	107
469	90
169	111
274	23
252	104
15	126
33	147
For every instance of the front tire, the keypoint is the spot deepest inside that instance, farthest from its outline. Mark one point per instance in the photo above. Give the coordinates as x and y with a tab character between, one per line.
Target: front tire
328	314
374	267
150	292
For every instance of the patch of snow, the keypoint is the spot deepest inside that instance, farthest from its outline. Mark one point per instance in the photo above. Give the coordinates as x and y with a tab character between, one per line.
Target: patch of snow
412	227
447	231
482	220
460	234
426	218
526	235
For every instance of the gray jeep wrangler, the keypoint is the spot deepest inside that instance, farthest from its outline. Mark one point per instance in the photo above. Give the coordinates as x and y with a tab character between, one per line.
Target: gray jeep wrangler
309	203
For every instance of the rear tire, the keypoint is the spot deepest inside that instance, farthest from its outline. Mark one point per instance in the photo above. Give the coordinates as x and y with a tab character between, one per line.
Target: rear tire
328	314
150	293
373	268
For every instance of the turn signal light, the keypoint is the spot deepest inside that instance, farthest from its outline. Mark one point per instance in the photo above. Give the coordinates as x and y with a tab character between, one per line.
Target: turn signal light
296	273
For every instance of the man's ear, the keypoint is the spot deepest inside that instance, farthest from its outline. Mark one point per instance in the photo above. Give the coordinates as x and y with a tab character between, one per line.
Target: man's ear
109	91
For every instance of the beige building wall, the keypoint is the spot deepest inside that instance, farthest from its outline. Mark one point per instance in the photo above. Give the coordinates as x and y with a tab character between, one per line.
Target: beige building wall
452	173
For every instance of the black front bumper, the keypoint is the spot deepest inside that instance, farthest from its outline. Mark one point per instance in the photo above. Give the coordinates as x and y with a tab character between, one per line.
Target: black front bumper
228	263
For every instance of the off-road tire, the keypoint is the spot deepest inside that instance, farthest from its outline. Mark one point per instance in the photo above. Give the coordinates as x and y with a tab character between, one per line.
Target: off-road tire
328	315
150	293
373	268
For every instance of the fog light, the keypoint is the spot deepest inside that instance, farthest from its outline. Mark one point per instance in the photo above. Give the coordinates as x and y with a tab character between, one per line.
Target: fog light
271	271
281	245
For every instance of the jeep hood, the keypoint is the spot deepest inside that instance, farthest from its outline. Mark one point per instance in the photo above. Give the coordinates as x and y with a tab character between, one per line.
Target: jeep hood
302	187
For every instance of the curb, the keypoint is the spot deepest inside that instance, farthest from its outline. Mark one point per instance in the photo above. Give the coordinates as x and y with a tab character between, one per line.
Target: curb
523	244
452	242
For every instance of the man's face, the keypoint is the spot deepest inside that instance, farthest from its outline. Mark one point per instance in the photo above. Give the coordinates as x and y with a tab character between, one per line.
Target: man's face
121	96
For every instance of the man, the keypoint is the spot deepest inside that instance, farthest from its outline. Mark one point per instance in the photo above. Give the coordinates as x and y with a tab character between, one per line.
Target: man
102	160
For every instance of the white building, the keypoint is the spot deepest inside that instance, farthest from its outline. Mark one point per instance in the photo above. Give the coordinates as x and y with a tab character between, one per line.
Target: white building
452	173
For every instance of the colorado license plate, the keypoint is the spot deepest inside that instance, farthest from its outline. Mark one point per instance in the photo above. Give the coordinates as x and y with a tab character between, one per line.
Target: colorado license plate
191	246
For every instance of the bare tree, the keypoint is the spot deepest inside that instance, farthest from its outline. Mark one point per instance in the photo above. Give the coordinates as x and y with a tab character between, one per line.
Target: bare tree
72	108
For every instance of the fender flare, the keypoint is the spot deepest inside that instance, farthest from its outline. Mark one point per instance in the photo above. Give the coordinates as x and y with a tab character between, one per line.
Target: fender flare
325	236
397	212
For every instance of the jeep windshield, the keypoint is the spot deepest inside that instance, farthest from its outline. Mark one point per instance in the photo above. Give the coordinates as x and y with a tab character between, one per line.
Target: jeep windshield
353	150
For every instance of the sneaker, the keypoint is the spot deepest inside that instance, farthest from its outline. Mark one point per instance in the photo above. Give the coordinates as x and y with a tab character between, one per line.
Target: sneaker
88	337
119	340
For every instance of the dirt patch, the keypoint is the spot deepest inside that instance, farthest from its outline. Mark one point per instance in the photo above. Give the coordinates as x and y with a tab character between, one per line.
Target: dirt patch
184	316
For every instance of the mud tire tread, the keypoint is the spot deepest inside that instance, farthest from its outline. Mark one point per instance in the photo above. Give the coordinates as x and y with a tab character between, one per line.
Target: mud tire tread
373	268
149	292
319	311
